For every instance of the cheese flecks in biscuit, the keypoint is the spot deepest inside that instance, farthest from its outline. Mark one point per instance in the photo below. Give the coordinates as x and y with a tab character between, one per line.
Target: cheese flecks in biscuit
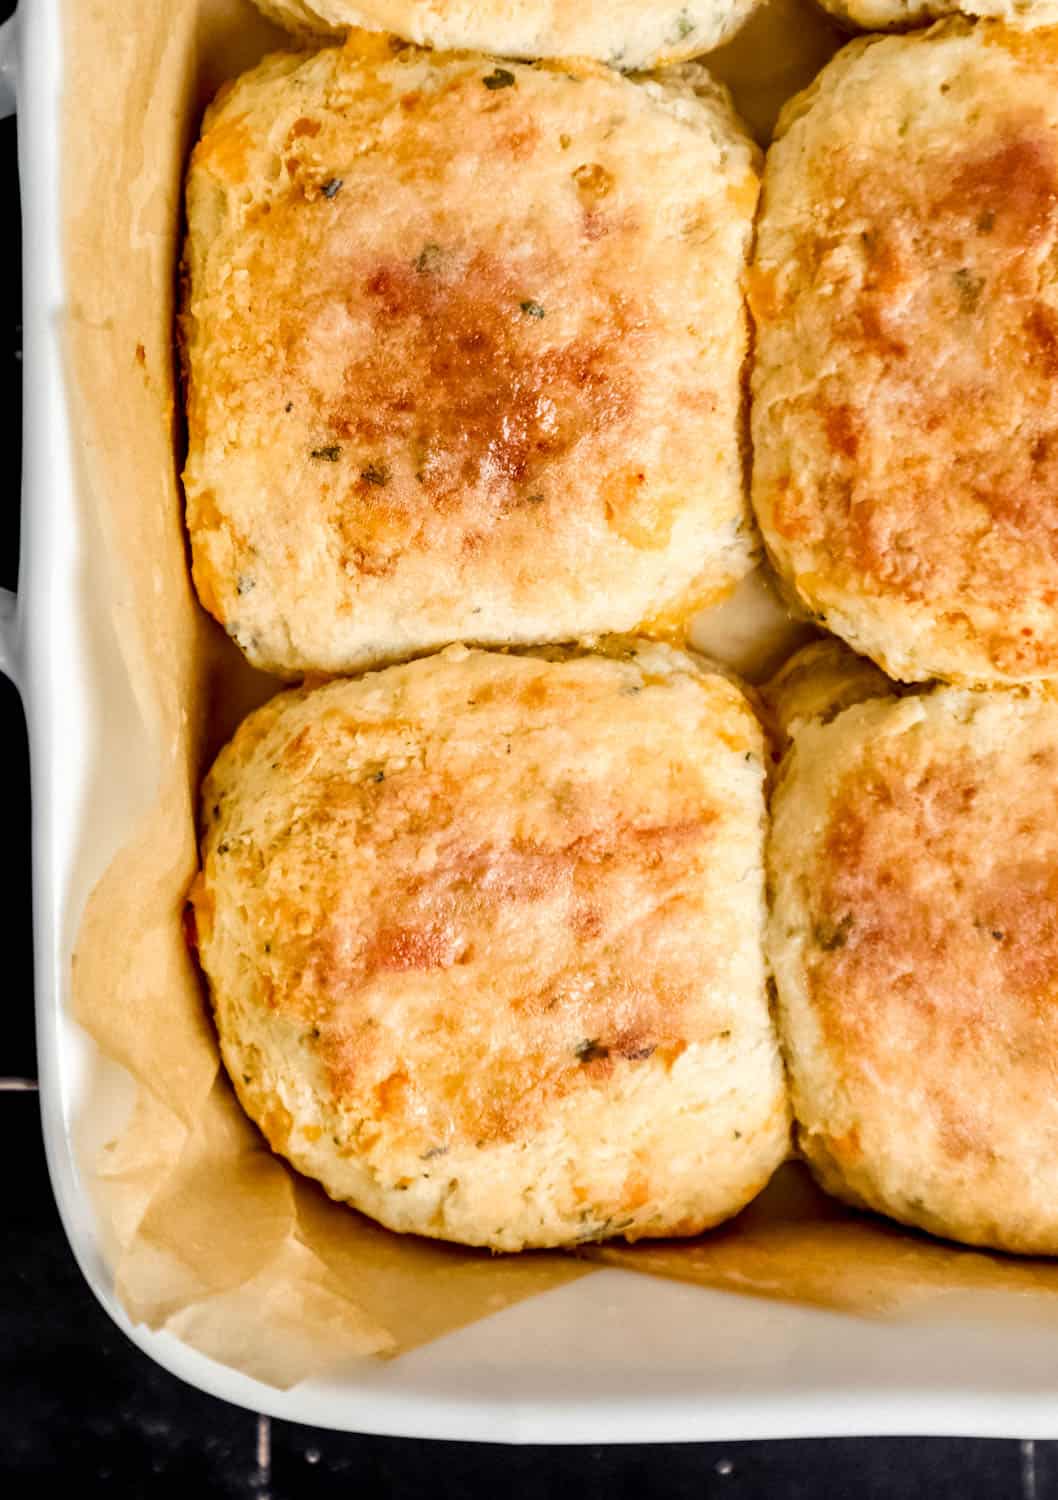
905	394
896	15
913	868
464	343
484	937
624	33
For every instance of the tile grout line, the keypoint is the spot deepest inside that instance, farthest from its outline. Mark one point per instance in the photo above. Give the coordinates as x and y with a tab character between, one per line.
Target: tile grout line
18	1085
264	1457
1029	1489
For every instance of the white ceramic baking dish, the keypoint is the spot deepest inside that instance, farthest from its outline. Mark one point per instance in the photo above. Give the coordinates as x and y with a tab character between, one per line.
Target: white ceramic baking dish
613	1358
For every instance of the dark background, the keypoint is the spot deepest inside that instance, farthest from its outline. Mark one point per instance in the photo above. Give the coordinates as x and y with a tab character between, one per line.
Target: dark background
81	1405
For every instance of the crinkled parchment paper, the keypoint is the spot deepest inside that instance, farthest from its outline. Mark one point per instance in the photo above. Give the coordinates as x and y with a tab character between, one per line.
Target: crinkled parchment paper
209	1235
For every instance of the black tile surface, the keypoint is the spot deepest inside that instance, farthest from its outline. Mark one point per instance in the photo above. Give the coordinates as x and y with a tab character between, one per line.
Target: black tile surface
18	1054
78	1402
307	1464
1039	1471
17	1049
10	361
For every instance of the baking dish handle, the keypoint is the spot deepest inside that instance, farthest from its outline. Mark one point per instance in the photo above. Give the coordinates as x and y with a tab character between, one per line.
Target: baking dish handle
8	604
9	652
8	65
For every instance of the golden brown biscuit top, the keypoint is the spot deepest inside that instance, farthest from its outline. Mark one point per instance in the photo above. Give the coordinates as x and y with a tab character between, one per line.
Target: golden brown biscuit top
479	884
449	405
476	315
915	274
932	905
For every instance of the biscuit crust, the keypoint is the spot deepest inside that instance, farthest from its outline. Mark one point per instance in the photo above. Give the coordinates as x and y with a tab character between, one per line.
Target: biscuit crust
905	291
898	15
624	33
913	868
484	938
464	345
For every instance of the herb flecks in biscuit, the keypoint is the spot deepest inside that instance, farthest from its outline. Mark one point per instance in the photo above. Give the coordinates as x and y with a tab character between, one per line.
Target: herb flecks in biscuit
412	311
484	942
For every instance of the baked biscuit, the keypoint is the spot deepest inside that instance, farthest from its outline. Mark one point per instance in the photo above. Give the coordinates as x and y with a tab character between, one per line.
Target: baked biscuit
464	345
905	418
913	868
623	33
896	15
484	936
817	683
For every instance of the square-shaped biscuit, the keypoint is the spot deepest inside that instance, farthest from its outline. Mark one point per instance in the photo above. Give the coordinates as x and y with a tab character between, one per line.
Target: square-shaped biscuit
905	373
913	870
464	344
484	936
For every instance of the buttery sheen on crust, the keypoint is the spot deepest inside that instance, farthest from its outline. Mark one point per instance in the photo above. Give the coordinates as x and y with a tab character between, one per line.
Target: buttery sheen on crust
913	868
623	33
484	936
905	417
464	344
